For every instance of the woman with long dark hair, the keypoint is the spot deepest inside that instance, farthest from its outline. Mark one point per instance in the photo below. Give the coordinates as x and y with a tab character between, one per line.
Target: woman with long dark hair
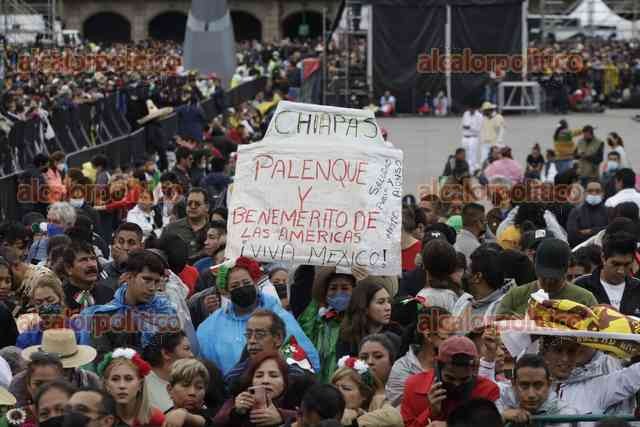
369	312
262	398
432	325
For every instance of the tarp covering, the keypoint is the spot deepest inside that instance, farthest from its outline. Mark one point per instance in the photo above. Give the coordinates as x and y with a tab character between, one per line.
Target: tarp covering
423	31
501	34
603	16
396	49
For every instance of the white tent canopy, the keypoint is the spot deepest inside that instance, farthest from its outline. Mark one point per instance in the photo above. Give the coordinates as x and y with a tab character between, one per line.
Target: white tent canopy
602	16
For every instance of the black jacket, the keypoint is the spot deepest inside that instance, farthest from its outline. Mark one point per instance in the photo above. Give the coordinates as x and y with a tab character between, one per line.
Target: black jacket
586	217
630	303
101	294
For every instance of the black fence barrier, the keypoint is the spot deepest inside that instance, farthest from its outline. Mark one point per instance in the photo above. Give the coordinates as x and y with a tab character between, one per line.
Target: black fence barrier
246	91
123	152
81	132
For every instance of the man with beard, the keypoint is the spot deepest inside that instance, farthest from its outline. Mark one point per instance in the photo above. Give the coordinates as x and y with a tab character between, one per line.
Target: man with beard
434	394
127	238
81	289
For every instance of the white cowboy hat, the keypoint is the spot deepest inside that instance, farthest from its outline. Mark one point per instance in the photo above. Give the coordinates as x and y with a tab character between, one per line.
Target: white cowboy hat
62	342
486	105
154	112
6	398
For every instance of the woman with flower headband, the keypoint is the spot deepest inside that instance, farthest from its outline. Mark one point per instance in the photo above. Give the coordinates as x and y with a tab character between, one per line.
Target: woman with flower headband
262	397
361	388
123	372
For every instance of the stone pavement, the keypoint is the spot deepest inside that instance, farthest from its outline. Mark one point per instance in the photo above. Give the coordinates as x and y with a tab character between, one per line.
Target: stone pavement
427	141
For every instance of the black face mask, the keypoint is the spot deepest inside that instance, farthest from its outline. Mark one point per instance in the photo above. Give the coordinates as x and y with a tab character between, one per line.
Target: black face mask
245	296
53	422
74	419
281	290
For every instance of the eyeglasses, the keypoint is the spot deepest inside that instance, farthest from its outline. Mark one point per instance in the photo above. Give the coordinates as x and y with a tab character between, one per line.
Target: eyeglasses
260	334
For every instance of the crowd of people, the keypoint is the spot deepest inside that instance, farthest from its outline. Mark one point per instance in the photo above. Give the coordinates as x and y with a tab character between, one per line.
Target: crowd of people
120	307
574	75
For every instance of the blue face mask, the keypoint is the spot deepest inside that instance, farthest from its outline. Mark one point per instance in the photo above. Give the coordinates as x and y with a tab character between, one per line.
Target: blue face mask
339	302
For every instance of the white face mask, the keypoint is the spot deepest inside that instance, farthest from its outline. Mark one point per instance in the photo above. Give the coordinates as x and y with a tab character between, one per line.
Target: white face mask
60	167
612	165
76	203
593	199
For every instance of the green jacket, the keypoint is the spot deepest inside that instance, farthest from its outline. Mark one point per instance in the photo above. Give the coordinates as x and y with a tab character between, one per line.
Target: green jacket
591	155
516	301
324	335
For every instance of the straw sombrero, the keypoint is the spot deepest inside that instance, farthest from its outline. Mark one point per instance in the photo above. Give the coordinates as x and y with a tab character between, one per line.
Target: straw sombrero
6	398
154	112
62	342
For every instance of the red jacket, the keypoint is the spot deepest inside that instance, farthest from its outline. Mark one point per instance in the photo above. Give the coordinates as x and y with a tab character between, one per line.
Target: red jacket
409	256
415	409
189	276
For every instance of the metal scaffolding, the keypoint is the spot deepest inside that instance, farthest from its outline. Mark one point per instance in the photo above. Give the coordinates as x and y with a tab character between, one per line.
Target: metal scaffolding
346	73
14	11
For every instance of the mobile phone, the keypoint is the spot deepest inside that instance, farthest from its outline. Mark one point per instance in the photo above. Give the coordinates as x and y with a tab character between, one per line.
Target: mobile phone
438	373
260	396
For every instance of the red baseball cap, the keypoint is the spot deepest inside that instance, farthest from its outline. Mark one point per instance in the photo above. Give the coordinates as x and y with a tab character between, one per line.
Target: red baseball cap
455	345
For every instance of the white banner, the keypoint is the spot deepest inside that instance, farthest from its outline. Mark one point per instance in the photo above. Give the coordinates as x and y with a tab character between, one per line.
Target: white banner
293	119
517	336
324	201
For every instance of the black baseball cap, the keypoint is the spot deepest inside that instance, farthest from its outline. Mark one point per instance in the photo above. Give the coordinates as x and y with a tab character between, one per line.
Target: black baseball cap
552	259
532	239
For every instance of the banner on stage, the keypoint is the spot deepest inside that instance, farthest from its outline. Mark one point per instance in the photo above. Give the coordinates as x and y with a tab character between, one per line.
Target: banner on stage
293	119
324	201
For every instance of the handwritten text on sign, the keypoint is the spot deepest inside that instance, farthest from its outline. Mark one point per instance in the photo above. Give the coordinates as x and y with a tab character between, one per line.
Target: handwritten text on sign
294	119
308	204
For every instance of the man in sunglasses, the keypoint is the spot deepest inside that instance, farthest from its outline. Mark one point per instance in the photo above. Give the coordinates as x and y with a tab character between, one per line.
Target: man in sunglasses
193	228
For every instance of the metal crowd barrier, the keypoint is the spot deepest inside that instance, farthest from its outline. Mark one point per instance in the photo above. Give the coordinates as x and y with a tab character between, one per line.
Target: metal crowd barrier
573	420
85	131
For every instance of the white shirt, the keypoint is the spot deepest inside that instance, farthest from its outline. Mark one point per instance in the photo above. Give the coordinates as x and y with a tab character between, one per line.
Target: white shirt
471	124
388	101
614	292
626	195
143	219
158	394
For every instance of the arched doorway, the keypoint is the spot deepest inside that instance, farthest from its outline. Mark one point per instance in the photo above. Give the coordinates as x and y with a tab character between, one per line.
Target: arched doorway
107	27
168	26
246	26
302	24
